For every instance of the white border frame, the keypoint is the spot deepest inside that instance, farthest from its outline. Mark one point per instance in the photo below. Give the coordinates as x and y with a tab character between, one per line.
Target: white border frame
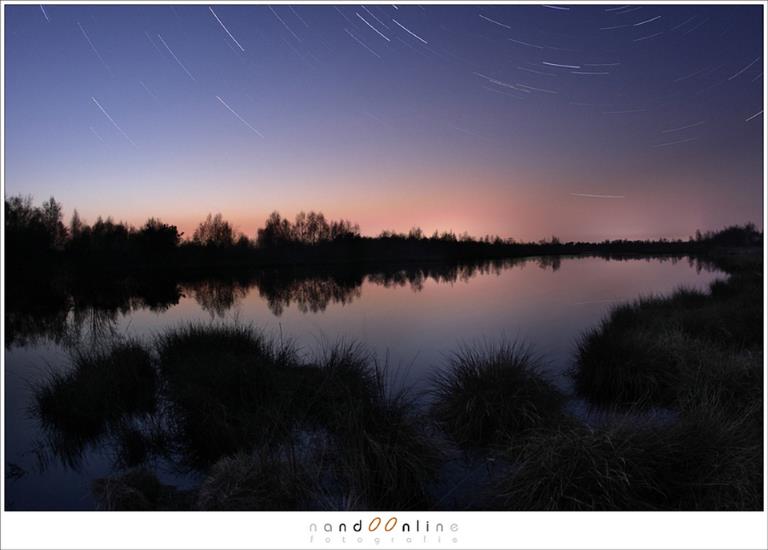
288	530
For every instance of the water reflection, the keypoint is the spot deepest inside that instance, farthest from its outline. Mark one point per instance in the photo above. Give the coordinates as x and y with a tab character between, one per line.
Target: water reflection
217	296
410	314
65	312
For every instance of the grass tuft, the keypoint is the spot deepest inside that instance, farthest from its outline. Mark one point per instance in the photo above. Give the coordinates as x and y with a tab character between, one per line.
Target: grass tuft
249	482
707	461
138	489
383	459
494	392
655	351
223	382
102	388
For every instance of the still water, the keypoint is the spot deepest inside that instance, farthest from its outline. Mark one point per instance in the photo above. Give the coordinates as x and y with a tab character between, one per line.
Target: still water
410	319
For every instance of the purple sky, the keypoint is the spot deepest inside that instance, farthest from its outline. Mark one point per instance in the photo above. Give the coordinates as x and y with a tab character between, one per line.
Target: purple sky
587	122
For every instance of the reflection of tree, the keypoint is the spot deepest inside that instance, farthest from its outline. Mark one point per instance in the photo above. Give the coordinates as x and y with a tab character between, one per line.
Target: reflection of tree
217	296
310	295
415	276
23	328
65	311
549	262
312	291
98	323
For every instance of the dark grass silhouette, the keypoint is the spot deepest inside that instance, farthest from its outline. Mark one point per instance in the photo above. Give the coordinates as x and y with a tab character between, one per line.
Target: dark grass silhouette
706	461
103	387
386	460
138	489
266	428
491	392
248	482
253	397
229	387
656	350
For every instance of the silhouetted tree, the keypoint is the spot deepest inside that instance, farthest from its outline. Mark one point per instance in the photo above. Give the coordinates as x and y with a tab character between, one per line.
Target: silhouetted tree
308	229
344	229
311	228
734	235
32	234
276	231
214	231
52	216
75	225
415	233
36	238
156	238
108	239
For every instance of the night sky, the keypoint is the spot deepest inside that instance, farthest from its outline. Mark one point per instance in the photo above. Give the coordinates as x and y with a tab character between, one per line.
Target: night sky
586	122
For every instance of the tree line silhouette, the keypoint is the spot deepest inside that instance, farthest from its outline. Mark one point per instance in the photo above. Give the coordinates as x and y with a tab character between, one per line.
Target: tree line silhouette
36	237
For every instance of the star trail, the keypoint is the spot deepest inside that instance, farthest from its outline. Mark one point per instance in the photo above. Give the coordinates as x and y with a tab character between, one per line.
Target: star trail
501	119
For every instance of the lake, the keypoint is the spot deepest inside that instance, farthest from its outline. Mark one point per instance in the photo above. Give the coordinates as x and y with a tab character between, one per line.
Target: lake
410	318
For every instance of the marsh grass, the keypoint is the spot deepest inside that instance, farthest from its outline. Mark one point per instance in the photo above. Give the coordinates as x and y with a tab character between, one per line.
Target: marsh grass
238	398
138	442
138	490
103	388
655	351
707	461
492	392
248	482
223	383
700	353
384	455
379	454
344	373
730	381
